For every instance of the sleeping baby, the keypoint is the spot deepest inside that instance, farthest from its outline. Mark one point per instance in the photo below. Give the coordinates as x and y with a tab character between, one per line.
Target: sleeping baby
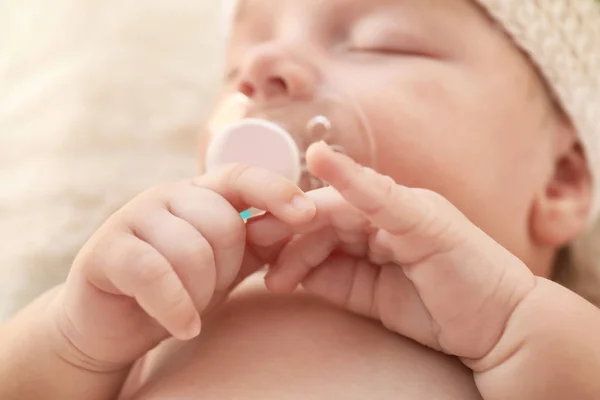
444	154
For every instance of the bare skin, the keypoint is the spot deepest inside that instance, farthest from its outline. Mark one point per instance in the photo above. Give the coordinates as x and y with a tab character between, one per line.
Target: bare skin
479	182
262	345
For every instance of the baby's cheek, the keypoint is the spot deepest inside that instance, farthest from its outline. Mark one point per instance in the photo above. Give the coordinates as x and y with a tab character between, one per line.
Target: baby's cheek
420	126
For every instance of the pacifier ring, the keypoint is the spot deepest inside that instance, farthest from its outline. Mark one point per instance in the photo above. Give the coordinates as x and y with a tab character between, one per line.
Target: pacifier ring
319	127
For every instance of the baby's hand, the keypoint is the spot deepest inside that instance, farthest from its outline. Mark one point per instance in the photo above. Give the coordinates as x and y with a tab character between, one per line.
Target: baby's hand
404	256
153	268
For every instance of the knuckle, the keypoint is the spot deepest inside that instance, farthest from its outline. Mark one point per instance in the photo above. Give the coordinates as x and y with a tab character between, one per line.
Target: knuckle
279	186
234	173
147	201
438	220
159	192
147	268
370	172
176	301
432	198
387	185
380	202
198	251
231	232
424	222
226	225
91	257
270	182
186	202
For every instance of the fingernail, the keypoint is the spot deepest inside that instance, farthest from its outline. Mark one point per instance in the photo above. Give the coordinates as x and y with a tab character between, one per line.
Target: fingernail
193	329
300	203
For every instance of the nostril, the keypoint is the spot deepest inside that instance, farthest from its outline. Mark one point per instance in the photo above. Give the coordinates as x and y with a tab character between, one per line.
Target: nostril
276	86
272	86
247	89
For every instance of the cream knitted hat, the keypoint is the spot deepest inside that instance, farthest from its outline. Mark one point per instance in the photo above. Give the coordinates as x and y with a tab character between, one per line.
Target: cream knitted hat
562	38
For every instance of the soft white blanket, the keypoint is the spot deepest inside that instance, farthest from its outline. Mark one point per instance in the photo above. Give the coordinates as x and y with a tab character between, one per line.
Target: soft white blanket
99	99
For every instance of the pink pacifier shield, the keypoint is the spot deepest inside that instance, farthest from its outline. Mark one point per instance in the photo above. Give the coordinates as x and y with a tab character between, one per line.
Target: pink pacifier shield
255	142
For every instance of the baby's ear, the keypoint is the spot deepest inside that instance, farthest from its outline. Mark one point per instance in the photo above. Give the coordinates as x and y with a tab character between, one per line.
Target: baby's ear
561	211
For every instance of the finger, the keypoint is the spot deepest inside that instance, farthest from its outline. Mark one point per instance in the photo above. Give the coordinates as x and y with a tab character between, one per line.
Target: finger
380	252
255	260
380	292
426	223
215	220
188	252
295	262
248	186
346	282
135	269
388	205
220	224
331	211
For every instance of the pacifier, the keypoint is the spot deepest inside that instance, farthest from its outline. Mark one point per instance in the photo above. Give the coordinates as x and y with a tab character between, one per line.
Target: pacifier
276	136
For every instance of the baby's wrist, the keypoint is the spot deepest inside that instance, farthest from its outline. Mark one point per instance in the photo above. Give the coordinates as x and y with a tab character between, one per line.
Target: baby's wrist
540	317
553	332
41	363
60	334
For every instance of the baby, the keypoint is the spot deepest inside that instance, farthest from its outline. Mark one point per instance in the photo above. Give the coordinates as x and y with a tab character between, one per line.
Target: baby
484	122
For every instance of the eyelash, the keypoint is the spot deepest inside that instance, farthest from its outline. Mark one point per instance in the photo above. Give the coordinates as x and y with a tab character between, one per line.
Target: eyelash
376	49
377	41
389	51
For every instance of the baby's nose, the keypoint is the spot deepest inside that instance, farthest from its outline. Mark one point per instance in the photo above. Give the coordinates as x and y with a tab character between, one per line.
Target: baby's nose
276	72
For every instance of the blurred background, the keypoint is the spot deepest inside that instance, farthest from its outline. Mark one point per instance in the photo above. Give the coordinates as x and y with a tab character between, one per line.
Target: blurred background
99	99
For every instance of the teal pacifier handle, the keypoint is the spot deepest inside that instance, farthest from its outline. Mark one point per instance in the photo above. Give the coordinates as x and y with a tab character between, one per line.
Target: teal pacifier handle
246	214
251	213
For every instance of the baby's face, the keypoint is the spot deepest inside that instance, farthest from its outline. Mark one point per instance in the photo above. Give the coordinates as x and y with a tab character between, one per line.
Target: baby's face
453	104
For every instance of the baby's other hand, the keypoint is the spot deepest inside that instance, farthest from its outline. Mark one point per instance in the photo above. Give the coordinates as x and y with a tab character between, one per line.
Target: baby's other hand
406	257
158	263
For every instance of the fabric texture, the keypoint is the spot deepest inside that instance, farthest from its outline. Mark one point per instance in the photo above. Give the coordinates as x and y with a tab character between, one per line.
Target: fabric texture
99	100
